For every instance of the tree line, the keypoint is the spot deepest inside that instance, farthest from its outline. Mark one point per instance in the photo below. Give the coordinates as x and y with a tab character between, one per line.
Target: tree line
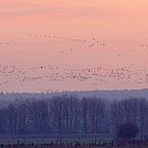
69	114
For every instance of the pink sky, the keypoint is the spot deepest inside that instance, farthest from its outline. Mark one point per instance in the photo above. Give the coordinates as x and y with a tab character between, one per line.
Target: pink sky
107	19
122	25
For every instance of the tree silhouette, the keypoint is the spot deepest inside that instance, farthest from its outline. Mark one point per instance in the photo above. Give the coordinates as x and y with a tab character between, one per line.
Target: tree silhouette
128	131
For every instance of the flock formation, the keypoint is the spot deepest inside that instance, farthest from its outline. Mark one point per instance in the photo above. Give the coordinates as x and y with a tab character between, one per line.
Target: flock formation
89	43
11	74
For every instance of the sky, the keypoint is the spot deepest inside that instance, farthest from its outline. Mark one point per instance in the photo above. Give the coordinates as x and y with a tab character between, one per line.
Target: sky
99	18
119	25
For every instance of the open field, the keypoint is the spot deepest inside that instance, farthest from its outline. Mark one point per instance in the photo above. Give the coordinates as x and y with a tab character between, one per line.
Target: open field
78	146
71	143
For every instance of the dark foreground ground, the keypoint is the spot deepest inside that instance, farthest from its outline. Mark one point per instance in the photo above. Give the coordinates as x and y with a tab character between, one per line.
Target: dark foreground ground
125	146
135	144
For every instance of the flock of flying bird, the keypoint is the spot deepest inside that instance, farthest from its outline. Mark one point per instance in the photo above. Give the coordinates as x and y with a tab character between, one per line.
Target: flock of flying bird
89	43
11	74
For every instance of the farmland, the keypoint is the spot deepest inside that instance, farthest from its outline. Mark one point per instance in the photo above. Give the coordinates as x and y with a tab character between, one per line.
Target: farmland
76	144
73	141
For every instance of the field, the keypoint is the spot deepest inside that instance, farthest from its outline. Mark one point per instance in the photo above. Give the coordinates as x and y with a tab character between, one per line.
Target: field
78	146
70	143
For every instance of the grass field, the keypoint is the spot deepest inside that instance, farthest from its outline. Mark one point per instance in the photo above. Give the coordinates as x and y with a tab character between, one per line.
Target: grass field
70	143
69	146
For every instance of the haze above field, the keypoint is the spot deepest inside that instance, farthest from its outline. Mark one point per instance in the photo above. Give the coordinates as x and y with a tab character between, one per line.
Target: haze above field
106	95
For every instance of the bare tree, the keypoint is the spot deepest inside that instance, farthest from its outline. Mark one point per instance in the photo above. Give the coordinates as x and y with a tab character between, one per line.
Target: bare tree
38	113
84	112
3	120
12	119
57	111
130	107
116	112
71	113
22	116
143	115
